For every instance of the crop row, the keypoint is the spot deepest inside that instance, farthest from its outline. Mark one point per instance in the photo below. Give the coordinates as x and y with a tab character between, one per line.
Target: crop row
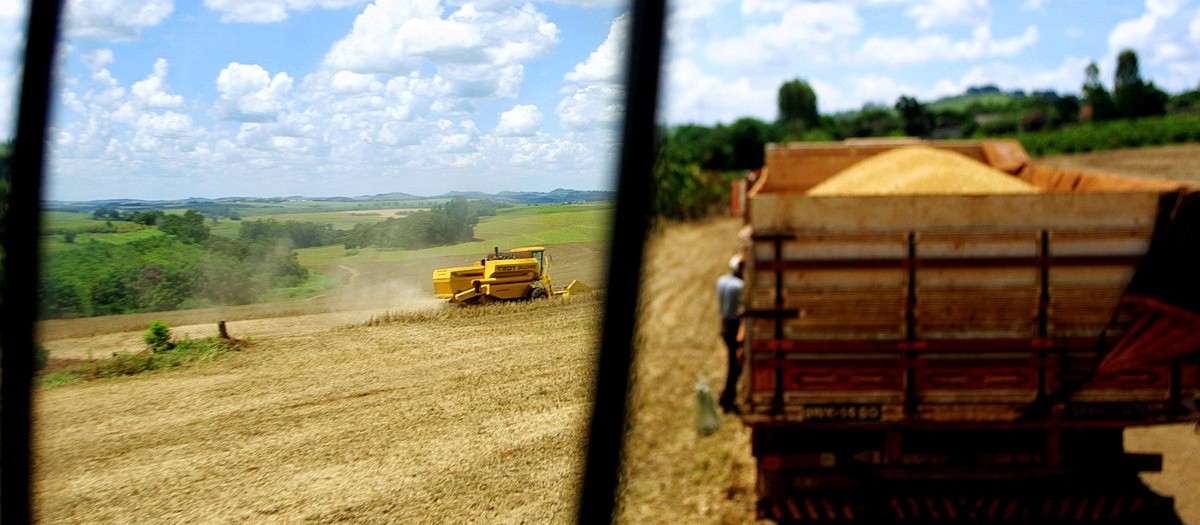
1148	131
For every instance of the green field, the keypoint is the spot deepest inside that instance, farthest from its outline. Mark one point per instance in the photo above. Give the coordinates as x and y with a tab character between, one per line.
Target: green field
509	228
266	209
58	243
341	220
61	221
342	215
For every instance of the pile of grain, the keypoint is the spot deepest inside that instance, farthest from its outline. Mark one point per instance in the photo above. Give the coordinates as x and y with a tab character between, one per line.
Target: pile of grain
920	170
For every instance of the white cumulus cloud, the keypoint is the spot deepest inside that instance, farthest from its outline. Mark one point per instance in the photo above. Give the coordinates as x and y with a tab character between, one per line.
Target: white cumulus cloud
605	64
348	82
933	48
268	11
696	96
114	19
521	120
809	30
152	91
593	91
942	13
460	140
249	93
397	37
1166	38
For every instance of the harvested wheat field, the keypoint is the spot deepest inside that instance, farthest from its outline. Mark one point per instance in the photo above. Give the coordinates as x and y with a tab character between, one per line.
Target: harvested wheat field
448	415
1177	162
672	474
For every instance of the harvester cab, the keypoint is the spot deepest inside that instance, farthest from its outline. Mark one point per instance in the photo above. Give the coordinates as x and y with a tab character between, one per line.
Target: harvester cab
516	275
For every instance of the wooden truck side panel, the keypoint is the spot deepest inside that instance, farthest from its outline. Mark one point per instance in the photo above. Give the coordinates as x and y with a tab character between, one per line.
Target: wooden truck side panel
943	308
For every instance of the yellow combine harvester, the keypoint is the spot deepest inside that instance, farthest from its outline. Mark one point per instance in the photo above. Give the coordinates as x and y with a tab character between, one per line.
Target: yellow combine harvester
517	275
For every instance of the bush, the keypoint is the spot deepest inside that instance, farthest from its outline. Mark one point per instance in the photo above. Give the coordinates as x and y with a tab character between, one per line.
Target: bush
181	353
158	337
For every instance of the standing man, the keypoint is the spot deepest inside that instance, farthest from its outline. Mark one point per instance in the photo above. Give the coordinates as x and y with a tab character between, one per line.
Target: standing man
729	297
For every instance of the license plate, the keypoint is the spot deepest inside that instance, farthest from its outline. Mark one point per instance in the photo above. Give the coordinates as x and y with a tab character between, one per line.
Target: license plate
843	412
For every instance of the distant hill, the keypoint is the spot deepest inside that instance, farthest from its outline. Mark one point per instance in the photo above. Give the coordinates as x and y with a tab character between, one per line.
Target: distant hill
992	99
222	206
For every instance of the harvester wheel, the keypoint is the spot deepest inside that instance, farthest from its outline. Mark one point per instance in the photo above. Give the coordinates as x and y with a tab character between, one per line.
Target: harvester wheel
537	292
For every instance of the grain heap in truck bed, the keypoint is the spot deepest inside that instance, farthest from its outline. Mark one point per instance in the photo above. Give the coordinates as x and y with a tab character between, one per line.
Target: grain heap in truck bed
920	170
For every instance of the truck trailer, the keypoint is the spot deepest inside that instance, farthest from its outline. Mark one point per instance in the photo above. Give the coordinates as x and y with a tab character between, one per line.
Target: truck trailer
969	357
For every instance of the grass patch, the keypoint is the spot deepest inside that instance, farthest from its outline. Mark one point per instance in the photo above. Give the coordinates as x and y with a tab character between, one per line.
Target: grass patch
509	228
1113	134
127	233
59	222
315	284
67	220
264	210
59	378
226	228
185	351
323	256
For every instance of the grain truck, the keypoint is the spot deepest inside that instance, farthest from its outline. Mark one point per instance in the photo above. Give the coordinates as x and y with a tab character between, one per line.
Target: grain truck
969	357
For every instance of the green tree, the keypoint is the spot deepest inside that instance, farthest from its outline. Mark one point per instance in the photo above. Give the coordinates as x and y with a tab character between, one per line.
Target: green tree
188	227
680	189
1131	94
1066	109
1127	75
874	120
798	106
1186	101
158	337
448	223
917	121
1096	97
748	138
692	142
148	218
1134	97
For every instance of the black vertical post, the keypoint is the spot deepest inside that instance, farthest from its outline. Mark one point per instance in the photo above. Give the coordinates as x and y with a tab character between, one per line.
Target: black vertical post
19	288
598	496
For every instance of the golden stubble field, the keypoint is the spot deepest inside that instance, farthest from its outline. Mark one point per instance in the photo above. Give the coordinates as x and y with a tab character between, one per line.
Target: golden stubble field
430	415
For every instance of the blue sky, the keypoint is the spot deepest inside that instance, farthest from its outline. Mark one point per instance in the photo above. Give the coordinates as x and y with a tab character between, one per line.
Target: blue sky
174	98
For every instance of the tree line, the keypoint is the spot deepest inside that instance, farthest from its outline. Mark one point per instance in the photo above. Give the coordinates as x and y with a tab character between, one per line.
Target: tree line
449	223
696	163
184	267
